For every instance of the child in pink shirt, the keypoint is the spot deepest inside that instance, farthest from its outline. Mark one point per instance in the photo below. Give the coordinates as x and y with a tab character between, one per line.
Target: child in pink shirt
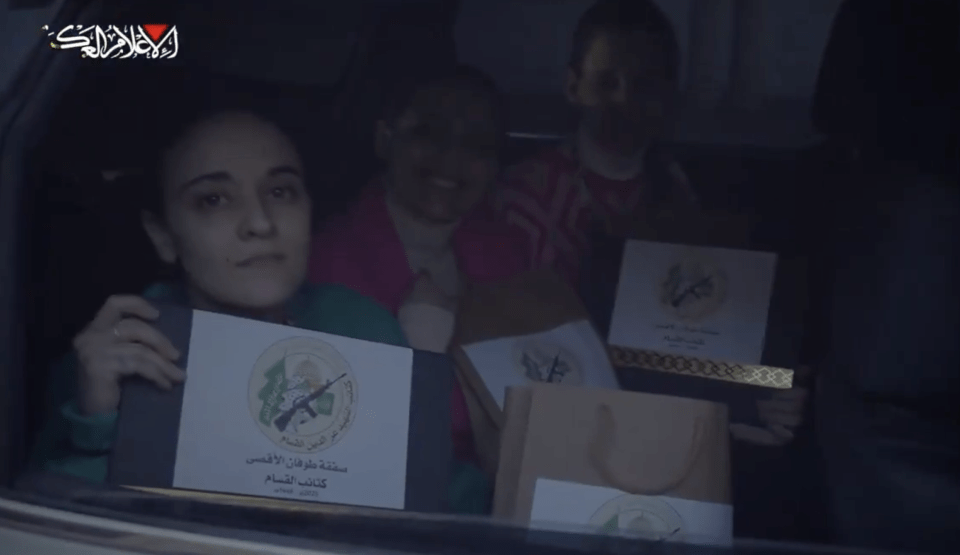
416	238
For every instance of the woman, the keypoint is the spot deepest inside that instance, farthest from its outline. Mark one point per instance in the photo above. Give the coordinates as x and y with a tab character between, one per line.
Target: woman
230	210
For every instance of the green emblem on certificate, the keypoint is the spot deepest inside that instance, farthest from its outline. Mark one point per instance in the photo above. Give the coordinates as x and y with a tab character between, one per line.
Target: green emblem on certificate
648	517
692	290
303	395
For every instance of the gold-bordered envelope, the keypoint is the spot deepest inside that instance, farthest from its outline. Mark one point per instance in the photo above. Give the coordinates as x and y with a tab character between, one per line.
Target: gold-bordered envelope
784	330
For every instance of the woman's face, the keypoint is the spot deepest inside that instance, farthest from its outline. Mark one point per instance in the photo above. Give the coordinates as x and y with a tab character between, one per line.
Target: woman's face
237	213
625	91
442	152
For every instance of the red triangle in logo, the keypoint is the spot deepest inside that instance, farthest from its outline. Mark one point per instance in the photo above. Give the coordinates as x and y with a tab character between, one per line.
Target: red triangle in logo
155	30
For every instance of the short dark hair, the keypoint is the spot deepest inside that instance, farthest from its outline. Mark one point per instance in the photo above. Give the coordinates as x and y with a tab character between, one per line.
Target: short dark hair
463	77
625	16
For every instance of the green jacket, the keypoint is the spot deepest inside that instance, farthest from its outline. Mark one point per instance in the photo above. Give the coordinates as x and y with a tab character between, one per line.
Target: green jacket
78	445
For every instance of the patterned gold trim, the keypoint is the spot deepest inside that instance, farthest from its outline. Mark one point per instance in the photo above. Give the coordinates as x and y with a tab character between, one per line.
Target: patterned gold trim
764	376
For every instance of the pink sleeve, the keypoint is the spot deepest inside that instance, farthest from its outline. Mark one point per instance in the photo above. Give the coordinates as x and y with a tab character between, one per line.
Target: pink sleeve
521	206
516	252
320	253
334	259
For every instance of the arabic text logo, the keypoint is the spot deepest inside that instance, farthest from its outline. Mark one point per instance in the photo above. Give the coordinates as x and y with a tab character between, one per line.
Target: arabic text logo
154	41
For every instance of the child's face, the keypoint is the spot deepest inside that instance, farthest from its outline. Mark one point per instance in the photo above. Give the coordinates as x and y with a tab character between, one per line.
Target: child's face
441	153
625	89
237	213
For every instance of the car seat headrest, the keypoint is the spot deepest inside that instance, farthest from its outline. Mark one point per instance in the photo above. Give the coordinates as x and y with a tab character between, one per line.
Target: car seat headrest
414	35
889	75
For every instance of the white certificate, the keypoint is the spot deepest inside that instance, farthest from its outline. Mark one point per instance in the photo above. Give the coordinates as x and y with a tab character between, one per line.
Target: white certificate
571	354
275	411
701	302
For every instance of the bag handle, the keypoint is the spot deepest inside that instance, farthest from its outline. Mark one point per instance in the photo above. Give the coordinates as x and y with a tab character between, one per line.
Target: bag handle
601	448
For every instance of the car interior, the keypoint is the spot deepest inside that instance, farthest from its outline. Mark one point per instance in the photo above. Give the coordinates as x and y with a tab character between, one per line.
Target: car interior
85	241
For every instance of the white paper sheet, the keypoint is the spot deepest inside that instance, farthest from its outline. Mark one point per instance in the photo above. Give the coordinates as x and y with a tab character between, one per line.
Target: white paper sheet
352	449
568	507
697	301
579	353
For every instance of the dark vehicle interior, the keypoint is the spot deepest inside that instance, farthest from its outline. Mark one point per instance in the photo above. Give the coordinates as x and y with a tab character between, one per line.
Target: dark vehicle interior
888	71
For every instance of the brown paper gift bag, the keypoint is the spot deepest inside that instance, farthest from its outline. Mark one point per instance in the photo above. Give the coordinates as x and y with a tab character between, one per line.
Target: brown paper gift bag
639	443
528	303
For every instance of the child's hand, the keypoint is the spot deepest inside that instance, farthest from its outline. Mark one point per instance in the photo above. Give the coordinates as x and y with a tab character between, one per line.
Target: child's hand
426	291
781	414
119	343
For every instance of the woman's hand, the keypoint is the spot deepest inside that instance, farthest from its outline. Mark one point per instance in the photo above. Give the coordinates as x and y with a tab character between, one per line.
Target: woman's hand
428	316
119	343
781	414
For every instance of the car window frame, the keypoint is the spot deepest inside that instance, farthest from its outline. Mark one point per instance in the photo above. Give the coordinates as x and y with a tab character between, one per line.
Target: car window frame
24	111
